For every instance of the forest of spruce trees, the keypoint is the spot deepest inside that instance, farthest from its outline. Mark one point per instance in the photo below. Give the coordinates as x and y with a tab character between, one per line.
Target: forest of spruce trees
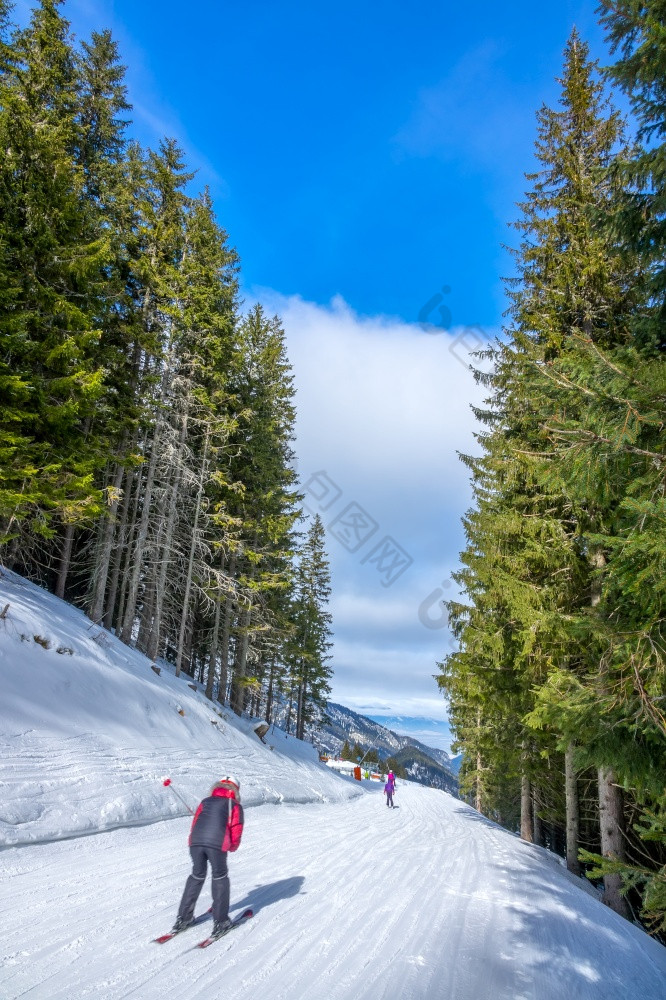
557	688
146	421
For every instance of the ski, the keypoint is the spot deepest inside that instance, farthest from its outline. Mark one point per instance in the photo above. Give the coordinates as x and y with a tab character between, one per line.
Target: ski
172	934
234	923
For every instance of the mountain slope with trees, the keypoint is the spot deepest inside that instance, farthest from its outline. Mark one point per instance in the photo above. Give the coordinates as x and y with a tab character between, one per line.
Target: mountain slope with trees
424	764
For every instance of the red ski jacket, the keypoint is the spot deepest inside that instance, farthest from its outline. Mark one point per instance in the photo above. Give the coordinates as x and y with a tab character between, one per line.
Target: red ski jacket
218	822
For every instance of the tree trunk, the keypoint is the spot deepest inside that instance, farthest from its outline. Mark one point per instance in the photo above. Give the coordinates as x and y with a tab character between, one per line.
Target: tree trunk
572	811
269	694
537	824
119	551
478	797
188	647
478	802
300	704
229	606
65	559
190	562
238	685
128	547
138	551
291	702
243	645
611	821
526	826
212	653
11	552
103	562
163	549
226	639
611	799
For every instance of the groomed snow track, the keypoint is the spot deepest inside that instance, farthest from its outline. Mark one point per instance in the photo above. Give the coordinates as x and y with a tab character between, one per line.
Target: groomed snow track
352	901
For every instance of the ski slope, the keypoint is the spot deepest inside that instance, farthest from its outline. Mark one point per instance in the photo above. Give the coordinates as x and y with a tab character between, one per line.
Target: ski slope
352	901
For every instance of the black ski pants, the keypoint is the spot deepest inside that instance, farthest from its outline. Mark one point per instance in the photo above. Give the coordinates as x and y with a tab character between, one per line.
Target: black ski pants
201	856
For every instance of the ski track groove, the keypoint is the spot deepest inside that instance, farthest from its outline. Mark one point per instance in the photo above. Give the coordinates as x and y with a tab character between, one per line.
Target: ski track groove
424	901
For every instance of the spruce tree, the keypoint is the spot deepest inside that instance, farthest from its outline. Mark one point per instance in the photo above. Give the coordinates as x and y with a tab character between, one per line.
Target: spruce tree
99	153
573	301
102	123
312	621
534	557
192	479
636	30
163	223
608	433
52	283
265	505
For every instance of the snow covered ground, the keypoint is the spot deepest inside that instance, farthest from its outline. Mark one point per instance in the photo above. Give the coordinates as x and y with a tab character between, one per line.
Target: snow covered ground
353	901
86	735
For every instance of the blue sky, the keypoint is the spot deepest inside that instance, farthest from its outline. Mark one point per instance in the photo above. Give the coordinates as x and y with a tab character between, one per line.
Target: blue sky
374	151
366	160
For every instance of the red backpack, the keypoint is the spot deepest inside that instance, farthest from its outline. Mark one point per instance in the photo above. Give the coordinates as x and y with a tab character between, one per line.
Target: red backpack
232	835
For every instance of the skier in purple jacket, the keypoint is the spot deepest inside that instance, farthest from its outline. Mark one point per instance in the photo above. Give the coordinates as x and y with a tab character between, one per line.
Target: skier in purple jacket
389	788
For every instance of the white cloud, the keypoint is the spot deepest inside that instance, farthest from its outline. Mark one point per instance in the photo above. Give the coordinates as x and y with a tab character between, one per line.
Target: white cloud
380	402
383	408
366	610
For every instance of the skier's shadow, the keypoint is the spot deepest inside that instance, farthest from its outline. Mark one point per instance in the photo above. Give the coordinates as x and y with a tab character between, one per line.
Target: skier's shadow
265	895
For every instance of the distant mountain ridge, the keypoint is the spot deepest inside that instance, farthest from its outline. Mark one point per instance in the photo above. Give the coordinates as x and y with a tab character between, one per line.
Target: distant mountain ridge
427	765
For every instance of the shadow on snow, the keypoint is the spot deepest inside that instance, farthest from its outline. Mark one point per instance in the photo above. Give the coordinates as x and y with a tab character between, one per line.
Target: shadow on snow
265	895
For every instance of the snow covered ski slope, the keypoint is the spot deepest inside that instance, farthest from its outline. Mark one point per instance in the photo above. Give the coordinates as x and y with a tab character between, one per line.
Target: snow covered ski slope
352	901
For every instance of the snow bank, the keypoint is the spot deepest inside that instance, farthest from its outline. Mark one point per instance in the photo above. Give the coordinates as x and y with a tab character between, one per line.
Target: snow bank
88	730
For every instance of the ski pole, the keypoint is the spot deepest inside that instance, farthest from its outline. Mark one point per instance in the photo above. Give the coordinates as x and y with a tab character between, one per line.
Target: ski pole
167	784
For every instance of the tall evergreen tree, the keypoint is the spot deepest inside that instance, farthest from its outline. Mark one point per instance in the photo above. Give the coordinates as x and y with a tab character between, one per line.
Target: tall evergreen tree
103	103
192	477
537	556
52	281
265	505
636	29
99	154
163	222
312	620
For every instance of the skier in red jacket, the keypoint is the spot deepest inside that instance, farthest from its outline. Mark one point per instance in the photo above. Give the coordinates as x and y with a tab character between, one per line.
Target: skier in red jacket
217	827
